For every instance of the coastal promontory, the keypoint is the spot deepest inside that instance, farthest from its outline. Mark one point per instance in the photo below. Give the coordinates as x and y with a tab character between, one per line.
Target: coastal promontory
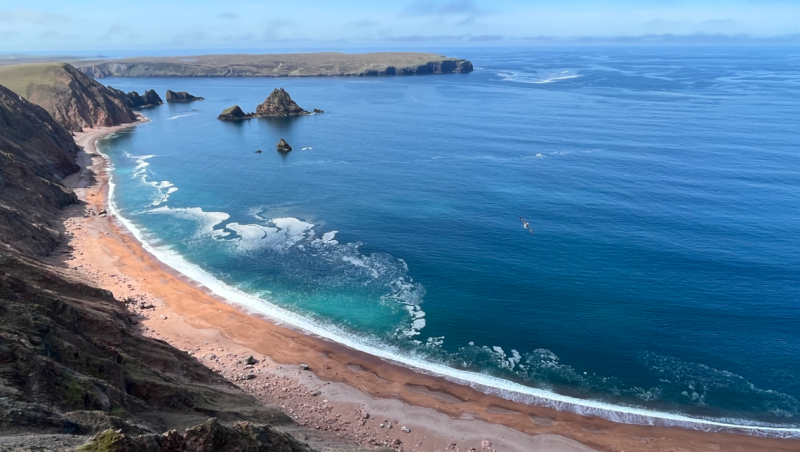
181	96
279	65
135	100
74	100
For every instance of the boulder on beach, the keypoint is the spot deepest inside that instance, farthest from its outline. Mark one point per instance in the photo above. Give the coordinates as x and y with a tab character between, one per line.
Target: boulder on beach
234	113
181	96
283	146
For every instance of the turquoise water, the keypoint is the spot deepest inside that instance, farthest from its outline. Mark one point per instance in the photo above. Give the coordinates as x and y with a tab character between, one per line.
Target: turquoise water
663	186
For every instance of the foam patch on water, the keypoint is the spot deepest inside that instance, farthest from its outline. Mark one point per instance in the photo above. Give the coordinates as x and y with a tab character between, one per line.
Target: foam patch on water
180	116
163	189
537	79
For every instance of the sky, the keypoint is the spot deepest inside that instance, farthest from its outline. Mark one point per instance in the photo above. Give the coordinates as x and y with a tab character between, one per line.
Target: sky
62	26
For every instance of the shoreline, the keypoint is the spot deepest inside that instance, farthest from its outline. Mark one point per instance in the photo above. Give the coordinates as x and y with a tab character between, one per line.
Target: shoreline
190	314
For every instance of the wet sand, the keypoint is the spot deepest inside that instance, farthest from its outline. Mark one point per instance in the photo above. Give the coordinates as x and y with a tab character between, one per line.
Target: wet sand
344	394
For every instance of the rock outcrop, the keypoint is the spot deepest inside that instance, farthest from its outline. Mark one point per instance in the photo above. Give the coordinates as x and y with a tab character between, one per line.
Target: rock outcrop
74	100
210	436
234	113
280	65
36	153
279	103
134	100
181	96
283	146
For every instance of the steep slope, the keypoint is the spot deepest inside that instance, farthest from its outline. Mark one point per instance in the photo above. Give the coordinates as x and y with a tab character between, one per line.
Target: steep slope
74	100
36	153
280	65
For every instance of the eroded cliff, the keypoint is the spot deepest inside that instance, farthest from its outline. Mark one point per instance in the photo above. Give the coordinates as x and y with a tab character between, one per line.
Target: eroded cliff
74	100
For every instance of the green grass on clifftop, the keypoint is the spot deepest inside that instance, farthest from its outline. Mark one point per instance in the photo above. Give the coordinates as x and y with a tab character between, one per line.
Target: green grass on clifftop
20	78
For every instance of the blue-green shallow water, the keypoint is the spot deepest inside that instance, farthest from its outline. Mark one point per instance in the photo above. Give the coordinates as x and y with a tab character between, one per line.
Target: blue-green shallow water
663	186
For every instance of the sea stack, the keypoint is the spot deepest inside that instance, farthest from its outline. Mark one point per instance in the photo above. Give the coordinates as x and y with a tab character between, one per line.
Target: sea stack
283	146
279	103
234	113
181	96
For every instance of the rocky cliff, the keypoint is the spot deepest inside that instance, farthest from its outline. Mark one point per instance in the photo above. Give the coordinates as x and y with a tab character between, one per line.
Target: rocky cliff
283	65
181	96
36	153
210	436
74	100
134	100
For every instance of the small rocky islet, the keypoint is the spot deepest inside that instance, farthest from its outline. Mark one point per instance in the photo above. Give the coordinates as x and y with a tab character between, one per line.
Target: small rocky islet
278	104
181	96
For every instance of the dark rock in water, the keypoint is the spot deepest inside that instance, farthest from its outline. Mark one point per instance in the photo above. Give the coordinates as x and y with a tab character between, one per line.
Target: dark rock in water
152	98
317	111
258	151
181	96
234	113
283	146
279	103
134	100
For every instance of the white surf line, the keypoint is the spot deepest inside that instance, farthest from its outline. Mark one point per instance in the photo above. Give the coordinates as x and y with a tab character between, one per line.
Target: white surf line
484	383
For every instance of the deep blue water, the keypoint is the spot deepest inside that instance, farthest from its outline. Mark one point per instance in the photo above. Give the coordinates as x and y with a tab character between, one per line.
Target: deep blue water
663	186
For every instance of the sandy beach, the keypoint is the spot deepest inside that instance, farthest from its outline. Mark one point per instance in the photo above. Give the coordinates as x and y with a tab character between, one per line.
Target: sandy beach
343	393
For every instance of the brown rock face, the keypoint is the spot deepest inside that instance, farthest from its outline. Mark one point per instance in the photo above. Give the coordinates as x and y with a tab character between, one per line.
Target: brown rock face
283	146
181	96
210	436
134	100
73	99
36	153
279	103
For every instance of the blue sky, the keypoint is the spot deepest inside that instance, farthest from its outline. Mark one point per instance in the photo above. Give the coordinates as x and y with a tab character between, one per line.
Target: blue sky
146	24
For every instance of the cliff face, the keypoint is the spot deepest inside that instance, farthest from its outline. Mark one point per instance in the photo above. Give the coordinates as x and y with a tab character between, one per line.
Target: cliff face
74	100
134	100
71	361
283	65
279	103
36	153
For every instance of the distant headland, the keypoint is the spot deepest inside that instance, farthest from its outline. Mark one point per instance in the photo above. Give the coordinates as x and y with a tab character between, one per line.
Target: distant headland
329	64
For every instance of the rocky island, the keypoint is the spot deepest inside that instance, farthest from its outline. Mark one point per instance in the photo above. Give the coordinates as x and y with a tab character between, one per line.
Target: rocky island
283	146
181	96
234	113
281	65
277	104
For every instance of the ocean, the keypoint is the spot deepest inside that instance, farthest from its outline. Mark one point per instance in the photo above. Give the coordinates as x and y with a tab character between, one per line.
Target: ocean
659	281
